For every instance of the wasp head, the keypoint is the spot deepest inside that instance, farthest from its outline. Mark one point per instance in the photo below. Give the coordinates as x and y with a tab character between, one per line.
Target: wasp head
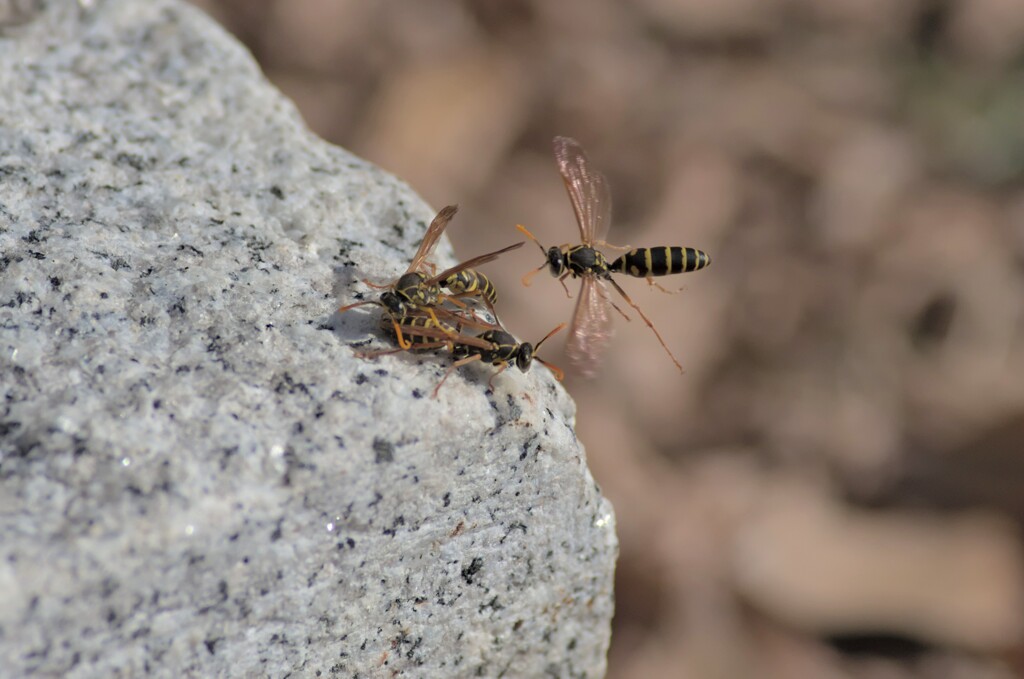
556	261
524	357
393	303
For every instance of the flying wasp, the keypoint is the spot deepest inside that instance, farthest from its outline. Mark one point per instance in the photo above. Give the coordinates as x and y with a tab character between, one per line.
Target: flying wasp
495	345
416	289
590	329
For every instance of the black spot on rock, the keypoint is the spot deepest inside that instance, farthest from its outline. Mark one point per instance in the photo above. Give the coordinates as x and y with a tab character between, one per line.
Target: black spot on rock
470	571
384	451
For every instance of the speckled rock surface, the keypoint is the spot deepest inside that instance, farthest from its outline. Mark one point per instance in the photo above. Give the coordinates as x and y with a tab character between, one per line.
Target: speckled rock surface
197	476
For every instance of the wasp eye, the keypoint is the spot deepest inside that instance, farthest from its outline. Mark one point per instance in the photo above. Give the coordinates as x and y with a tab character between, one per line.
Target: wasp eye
556	261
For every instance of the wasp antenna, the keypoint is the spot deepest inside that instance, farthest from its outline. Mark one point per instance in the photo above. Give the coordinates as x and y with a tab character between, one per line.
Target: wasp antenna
345	308
525	280
553	332
529	235
555	370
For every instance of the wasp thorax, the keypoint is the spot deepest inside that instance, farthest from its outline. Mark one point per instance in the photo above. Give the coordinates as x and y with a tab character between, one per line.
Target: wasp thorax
411	288
556	261
588	259
410	281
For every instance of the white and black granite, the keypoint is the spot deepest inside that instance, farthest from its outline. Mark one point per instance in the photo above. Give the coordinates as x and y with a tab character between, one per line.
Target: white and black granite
197	475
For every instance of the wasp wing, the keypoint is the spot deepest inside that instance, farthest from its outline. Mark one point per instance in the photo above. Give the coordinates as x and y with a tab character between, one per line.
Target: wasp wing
432	236
473	263
590	330
459	320
433	332
588	190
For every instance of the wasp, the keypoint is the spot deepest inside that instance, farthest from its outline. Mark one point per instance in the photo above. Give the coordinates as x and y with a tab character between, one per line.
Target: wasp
495	345
416	289
590	329
503	352
417	331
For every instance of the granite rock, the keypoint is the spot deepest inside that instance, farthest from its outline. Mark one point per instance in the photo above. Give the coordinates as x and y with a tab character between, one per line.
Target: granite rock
198	477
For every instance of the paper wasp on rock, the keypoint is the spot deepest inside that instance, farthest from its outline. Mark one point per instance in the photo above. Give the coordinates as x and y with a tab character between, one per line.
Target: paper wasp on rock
503	351
590	329
418	290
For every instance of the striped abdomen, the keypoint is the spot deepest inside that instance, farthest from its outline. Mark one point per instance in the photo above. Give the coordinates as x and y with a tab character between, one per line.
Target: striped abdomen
410	324
469	281
660	261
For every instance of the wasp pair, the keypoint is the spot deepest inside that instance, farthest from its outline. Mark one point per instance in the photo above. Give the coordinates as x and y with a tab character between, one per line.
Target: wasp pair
415	310
427	311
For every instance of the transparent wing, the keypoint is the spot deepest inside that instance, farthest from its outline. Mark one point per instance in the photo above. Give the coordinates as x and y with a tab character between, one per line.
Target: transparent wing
474	262
466	340
588	190
590	330
432	236
459	319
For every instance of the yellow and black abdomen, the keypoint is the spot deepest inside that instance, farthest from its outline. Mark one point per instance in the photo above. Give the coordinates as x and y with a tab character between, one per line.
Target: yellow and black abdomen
470	282
660	261
409	325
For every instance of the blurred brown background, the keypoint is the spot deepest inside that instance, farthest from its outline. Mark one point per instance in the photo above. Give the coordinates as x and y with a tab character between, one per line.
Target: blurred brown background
835	487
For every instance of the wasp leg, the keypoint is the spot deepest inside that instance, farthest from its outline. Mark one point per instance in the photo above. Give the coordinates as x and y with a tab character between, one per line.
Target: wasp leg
604	295
654	284
454	299
375	286
483	300
438	324
455	366
402	341
561	279
494	312
387	352
606	244
472	312
490	382
647	321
